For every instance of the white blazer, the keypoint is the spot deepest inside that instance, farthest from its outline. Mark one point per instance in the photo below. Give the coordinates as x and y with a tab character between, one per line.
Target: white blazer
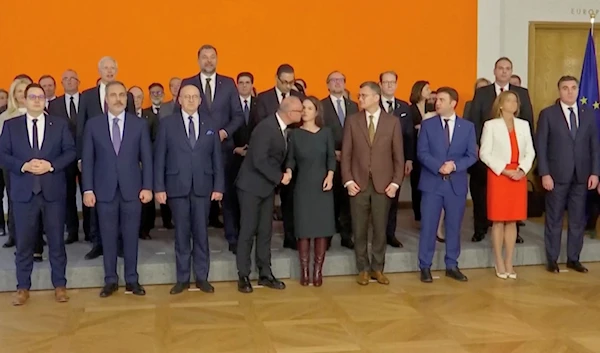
495	149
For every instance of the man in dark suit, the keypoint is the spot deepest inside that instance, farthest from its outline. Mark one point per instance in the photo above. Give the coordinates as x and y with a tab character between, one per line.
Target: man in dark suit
267	104
67	106
446	149
220	100
260	174
336	108
188	170
36	149
3	100
92	103
388	81
117	165
568	154
480	112
372	173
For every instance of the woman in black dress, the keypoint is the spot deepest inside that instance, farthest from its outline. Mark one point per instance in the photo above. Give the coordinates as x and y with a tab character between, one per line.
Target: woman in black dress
311	160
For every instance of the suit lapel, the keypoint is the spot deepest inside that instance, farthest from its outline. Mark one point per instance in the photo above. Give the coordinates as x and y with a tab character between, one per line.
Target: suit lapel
560	114
201	131
218	89
334	111
48	135
127	131
25	133
379	128
180	129
106	132
456	134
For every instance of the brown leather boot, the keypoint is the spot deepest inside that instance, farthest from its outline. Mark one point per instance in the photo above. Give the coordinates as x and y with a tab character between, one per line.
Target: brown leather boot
20	297
321	245
304	253
60	294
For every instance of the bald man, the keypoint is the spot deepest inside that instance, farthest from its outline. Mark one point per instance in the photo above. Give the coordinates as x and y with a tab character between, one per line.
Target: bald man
259	175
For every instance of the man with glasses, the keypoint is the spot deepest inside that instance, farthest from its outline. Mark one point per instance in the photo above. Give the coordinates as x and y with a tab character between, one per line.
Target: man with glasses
36	149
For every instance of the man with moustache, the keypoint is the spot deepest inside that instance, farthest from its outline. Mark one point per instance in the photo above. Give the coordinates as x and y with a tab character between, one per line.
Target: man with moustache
35	149
188	174
93	103
336	108
221	102
117	169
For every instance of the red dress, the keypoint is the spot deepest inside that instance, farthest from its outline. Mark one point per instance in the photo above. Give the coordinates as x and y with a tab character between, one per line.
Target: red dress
507	198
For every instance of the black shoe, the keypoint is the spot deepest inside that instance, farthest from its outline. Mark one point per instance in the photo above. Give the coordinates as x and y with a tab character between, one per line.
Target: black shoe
244	285
37	258
440	240
347	242
393	242
477	237
577	266
205	286
108	290
135	289
72	238
271	282
426	275
552	267
179	287
519	239
233	248
168	225
455	273
290	242
94	253
521	224
216	224
9	243
145	235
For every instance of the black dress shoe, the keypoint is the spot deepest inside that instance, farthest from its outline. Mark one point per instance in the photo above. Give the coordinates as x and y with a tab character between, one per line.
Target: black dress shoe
216	224
271	282
205	286
552	267
577	266
244	285
290	242
135	289
519	239
426	275
168	225
455	273
71	238
477	237
96	252
393	242
521	224
108	290
233	248
9	243
37	258
145	235
179	287
347	242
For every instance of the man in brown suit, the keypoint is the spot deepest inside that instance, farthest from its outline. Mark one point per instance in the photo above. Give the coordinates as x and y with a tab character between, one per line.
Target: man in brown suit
372	172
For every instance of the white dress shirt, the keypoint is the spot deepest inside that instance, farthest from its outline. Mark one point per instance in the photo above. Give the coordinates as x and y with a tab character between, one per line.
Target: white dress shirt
139	113
499	89
212	83
375	118
186	123
451	124
282	125
335	100
248	101
41	127
567	113
384	102
75	101
102	95
279	93
155	109
120	123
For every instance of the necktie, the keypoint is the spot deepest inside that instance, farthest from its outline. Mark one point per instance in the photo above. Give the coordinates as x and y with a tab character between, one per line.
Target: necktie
246	110
573	122
208	92
157	110
282	96
501	89
116	136
192	132
371	129
447	132
72	110
390	107
340	112
37	183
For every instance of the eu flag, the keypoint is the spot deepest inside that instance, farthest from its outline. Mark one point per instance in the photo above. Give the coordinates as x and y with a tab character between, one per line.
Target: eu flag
589	98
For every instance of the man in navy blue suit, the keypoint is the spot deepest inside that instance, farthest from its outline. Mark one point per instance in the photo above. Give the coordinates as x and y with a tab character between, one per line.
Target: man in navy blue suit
188	172
117	165
446	147
36	149
221	103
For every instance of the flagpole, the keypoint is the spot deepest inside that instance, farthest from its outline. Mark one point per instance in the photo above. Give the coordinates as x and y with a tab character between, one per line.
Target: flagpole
592	20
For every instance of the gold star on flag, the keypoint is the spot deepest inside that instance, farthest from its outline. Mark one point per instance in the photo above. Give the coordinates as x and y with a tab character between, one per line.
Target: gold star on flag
596	105
583	100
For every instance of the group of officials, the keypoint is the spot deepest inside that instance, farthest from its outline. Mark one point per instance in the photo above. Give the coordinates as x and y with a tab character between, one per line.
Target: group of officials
188	164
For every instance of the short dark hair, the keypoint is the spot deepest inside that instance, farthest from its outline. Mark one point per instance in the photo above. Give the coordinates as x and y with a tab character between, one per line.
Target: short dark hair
416	91
284	69
115	83
155	84
567	78
388	72
303	82
245	74
47	76
206	47
450	91
33	85
319	108
21	76
516	76
504	58
372	85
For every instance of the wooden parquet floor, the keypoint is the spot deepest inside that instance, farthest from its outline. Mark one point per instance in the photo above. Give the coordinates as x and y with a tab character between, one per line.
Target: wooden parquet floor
538	313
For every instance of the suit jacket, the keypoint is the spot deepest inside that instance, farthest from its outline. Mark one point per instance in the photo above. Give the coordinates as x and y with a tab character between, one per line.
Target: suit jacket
433	153
559	155
262	169
225	110
403	112
268	103
58	148
179	169
104	171
332	120
495	150
481	107
152	120
89	107
167	109
242	135
58	107
384	159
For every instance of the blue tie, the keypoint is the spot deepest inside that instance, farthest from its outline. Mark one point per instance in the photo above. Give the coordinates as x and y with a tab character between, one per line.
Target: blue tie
340	112
192	132
246	110
573	121
37	182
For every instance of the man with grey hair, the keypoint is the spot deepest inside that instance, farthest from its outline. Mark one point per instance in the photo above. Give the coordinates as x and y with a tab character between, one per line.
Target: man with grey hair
93	103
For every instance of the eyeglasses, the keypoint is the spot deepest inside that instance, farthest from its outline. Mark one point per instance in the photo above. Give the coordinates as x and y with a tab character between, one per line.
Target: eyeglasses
287	83
33	97
193	97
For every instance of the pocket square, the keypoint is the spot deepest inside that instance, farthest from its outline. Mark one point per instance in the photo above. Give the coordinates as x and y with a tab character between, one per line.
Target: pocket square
402	115
210	132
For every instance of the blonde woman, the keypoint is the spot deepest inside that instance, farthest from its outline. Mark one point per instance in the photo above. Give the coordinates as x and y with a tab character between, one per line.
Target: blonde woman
507	150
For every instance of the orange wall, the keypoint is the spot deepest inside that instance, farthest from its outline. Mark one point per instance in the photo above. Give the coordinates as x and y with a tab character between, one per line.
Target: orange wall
433	40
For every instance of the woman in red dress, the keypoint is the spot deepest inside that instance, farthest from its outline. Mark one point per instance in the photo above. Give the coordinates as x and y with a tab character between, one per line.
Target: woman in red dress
507	149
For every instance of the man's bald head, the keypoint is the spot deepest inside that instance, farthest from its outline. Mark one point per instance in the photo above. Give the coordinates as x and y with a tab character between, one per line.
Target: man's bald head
290	110
138	97
189	99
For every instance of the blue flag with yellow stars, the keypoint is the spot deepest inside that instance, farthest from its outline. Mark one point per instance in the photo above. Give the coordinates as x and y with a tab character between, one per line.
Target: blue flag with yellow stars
589	98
